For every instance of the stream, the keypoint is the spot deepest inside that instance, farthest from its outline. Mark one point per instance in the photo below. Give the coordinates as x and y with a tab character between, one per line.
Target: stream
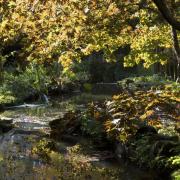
18	162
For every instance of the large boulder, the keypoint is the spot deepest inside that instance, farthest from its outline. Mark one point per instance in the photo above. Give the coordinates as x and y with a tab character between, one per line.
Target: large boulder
68	124
6	124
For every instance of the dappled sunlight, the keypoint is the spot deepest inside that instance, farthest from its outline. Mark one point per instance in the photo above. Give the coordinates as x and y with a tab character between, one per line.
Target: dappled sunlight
89	89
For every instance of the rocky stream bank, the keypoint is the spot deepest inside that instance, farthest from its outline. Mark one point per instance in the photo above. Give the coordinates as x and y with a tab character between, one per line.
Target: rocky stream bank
30	148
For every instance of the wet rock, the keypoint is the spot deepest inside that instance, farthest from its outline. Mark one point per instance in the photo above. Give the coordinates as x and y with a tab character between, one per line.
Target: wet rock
32	96
18	131
18	142
26	106
15	138
146	130
16	151
6	124
121	151
6	119
65	125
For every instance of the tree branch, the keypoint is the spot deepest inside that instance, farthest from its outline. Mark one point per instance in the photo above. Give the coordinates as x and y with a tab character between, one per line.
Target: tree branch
162	7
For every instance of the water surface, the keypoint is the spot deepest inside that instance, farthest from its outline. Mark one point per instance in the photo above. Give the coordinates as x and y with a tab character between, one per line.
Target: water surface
79	160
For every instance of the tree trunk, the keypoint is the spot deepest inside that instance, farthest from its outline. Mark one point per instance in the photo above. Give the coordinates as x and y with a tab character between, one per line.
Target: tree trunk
176	50
1	72
167	14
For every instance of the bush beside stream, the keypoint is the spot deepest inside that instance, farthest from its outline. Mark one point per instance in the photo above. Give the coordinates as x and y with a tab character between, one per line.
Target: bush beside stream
145	124
140	126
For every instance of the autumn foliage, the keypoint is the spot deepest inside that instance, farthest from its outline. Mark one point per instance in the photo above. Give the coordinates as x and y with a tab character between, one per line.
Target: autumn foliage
66	31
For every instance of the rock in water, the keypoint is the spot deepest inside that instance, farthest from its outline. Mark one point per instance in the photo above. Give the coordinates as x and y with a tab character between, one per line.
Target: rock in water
6	124
66	125
45	99
121	151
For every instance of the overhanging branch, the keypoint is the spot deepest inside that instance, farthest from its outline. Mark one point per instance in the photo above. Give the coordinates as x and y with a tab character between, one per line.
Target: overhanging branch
162	7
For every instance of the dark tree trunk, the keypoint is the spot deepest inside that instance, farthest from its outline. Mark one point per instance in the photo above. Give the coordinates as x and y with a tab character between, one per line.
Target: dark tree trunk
166	13
1	71
176	50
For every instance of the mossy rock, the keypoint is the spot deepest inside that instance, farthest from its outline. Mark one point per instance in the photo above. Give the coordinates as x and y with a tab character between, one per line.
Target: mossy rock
68	124
6	125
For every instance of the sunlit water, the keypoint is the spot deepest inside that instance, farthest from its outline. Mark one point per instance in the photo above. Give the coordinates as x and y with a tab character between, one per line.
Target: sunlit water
18	162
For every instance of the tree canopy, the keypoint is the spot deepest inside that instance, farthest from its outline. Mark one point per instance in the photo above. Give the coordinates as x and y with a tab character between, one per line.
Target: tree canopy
66	31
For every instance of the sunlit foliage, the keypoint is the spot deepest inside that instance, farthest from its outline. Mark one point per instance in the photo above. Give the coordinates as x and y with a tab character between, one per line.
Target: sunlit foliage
65	31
